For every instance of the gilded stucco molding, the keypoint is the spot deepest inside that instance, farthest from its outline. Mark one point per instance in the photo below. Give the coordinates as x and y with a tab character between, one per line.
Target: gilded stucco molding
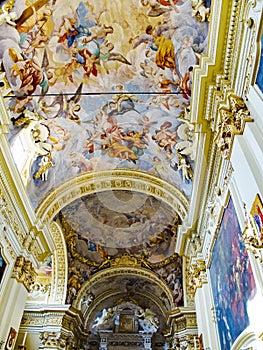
216	198
233	118
248	52
20	232
232	39
253	241
182	332
117	179
24	272
60	266
4	117
37	319
53	340
189	290
7	215
9	248
197	275
13	228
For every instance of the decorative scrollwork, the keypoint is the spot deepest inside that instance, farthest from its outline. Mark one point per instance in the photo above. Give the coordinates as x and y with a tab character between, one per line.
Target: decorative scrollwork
24	272
51	339
198	274
252	240
233	119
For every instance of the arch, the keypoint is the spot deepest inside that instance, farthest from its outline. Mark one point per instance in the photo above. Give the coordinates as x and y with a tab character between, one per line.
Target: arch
116	179
128	271
60	267
94	182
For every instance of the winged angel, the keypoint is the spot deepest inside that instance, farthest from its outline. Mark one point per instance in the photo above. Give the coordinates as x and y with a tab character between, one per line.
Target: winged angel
82	41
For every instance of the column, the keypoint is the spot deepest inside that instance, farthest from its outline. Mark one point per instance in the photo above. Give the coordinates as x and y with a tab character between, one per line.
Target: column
14	299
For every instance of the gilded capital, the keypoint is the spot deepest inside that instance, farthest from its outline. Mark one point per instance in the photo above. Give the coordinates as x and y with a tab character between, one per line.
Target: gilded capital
24	272
57	339
233	118
198	275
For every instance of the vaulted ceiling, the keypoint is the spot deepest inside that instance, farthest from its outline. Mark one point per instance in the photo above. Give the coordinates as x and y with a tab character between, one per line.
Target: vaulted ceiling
102	89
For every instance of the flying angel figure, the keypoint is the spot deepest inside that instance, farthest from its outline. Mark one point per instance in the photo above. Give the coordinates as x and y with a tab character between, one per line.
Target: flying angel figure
106	55
71	107
62	107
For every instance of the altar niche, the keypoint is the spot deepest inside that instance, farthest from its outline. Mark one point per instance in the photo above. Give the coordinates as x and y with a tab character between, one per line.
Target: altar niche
127	325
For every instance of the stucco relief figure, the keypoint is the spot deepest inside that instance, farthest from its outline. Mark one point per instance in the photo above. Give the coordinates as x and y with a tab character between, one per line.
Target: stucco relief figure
105	320
200	11
186	170
147	320
86	301
34	136
44	165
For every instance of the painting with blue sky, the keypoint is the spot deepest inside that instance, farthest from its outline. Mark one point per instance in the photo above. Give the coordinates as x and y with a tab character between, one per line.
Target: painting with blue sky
232	280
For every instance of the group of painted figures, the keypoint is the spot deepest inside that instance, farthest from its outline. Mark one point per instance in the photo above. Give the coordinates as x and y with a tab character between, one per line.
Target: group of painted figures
52	62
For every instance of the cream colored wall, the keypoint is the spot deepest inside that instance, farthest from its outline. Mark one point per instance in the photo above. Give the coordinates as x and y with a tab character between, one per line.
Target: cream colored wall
205	317
12	307
241	177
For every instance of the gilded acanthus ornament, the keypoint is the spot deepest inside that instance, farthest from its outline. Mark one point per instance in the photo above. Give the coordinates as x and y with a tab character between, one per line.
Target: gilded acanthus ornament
24	272
233	119
198	275
52	339
252	240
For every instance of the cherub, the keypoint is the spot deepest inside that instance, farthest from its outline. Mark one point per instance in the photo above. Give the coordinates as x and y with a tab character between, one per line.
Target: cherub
186	169
7	17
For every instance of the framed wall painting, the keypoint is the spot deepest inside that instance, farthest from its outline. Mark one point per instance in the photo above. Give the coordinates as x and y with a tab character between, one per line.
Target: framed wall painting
257	215
126	324
2	265
232	280
11	339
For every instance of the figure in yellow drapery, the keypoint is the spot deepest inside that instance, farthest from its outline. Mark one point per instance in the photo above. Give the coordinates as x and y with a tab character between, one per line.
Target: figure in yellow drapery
165	55
31	17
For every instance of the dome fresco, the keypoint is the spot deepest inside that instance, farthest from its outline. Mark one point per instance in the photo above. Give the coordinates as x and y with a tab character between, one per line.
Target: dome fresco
98	233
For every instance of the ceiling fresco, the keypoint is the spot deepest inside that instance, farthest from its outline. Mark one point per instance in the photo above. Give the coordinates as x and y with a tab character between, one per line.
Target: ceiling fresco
100	85
96	85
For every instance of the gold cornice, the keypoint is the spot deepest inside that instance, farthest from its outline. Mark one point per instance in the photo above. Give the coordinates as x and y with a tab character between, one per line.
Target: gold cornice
212	63
109	180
